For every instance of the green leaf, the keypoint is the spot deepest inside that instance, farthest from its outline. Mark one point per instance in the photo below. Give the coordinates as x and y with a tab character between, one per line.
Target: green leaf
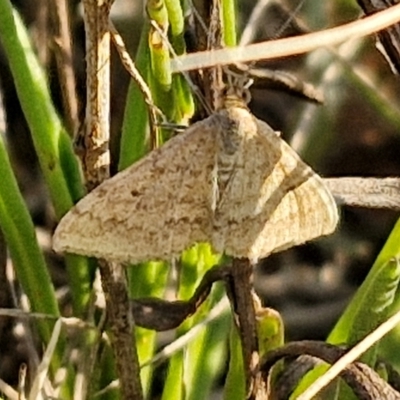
370	306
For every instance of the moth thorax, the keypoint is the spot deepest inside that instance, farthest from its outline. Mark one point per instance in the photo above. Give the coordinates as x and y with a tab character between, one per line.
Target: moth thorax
221	175
229	138
225	166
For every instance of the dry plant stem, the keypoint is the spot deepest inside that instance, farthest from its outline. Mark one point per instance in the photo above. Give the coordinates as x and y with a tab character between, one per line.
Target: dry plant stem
284	81
22	380
96	169
208	33
213	78
70	322
96	159
255	20
41	31
389	38
59	14
135	74
365	192
121	321
8	391
241	297
292	374
122	327
161	315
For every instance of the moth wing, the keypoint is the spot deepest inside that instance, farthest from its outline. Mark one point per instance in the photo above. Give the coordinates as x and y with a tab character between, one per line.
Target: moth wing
274	200
153	210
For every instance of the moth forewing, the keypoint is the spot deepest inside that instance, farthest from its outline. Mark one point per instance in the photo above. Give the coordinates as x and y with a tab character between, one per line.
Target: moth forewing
152	210
229	180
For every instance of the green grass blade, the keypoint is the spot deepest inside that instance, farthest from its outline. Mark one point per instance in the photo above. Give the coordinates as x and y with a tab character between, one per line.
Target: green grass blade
135	123
270	334
229	22
235	383
174	387
26	255
33	93
199	371
52	144
370	306
209	353
147	280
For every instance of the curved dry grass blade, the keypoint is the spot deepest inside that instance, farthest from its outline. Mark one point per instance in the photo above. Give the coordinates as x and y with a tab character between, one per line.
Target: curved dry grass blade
290	46
43	369
7	390
365	192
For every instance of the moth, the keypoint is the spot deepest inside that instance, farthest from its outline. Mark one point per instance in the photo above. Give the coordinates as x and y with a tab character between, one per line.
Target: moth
229	180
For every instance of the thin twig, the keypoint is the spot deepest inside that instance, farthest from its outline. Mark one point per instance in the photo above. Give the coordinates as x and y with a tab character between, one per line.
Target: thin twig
161	315
257	19
254	21
122	329
389	39
22	382
43	368
240	291
69	322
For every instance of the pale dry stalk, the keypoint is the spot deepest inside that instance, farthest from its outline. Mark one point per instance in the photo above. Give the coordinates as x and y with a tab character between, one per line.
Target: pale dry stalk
95	162
59	14
241	294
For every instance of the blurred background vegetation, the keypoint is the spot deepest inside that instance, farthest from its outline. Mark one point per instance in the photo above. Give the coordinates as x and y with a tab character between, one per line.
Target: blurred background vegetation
355	132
